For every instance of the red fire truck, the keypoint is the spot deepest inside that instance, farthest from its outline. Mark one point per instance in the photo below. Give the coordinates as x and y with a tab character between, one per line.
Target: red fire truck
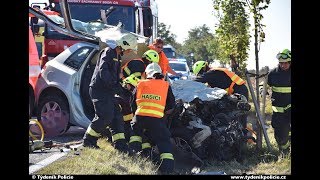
138	16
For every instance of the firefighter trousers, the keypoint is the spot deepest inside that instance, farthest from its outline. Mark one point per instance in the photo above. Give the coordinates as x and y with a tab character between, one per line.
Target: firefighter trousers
126	111
281	122
107	113
159	134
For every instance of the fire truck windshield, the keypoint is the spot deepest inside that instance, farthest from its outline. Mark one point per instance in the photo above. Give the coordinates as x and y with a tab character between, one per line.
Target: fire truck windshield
124	14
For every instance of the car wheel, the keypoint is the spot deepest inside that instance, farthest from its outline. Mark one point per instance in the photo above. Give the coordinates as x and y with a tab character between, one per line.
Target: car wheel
54	115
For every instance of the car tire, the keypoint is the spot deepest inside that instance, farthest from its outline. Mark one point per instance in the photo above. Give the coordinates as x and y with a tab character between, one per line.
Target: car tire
54	115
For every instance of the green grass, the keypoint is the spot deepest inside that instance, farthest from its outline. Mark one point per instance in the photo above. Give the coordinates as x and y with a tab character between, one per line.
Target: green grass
104	161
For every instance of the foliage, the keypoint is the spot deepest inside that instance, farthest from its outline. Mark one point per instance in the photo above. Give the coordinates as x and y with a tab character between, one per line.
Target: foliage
233	31
167	36
201	43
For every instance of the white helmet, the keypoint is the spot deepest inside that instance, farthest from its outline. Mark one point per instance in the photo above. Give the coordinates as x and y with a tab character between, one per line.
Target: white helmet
152	69
127	41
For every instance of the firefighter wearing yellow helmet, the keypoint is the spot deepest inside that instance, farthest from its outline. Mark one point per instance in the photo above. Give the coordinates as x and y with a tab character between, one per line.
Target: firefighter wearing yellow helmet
221	78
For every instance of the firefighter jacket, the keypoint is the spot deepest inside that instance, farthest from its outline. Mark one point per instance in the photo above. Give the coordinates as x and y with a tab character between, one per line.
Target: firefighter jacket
106	73
152	98
280	83
134	66
221	78
163	61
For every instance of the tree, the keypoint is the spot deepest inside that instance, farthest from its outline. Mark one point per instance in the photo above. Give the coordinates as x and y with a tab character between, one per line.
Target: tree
168	37
255	8
199	43
233	31
236	43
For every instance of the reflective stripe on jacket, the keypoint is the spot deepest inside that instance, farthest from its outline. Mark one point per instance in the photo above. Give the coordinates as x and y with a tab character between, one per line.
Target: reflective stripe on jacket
151	97
135	69
284	90
280	83
234	78
280	109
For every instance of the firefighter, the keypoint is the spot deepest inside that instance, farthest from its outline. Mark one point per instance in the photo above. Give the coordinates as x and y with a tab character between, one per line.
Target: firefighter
157	45
137	66
221	78
279	79
154	98
130	84
132	72
104	86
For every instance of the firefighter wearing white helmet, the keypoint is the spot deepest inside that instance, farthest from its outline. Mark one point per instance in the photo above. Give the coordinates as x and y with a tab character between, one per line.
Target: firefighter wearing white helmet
279	79
104	86
127	41
153	100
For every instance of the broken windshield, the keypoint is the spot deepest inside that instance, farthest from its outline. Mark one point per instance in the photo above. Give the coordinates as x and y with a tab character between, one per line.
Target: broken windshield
122	14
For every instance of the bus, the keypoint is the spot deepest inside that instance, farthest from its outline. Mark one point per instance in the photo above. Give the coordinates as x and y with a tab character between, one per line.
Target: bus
138	16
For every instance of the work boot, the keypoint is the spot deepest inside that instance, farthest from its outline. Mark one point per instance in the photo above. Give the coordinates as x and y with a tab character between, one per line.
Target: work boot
90	141
146	153
284	152
166	167
107	134
121	146
134	148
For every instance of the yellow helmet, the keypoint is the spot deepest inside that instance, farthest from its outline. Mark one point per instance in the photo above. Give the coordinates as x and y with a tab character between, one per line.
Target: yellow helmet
151	55
132	79
284	56
198	66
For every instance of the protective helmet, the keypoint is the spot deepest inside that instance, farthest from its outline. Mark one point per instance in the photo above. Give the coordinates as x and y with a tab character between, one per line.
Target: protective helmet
152	69
132	79
284	56
198	66
151	55
127	41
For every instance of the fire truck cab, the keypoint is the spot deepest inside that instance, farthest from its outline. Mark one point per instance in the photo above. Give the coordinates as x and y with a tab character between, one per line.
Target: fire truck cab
137	16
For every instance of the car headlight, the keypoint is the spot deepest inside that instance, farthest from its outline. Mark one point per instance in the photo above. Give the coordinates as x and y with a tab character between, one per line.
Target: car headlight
184	77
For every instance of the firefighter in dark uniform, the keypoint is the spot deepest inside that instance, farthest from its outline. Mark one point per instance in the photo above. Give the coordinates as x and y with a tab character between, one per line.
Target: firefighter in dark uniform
154	98
279	79
221	78
104	86
137	66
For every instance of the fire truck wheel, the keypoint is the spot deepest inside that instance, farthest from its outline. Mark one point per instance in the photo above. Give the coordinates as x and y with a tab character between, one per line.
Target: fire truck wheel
53	114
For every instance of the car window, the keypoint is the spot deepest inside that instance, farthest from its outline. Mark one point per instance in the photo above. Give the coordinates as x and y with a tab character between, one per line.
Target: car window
78	57
178	67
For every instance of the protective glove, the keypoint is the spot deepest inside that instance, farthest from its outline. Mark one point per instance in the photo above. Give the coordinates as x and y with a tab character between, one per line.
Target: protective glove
179	75
119	90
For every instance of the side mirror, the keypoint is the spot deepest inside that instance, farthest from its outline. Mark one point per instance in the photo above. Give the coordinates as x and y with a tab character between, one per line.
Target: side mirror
147	22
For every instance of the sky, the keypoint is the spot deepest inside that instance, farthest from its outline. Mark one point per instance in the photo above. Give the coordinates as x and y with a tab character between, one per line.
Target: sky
183	15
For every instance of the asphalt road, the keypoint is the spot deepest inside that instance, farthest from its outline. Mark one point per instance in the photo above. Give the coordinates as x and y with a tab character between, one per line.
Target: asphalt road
74	134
